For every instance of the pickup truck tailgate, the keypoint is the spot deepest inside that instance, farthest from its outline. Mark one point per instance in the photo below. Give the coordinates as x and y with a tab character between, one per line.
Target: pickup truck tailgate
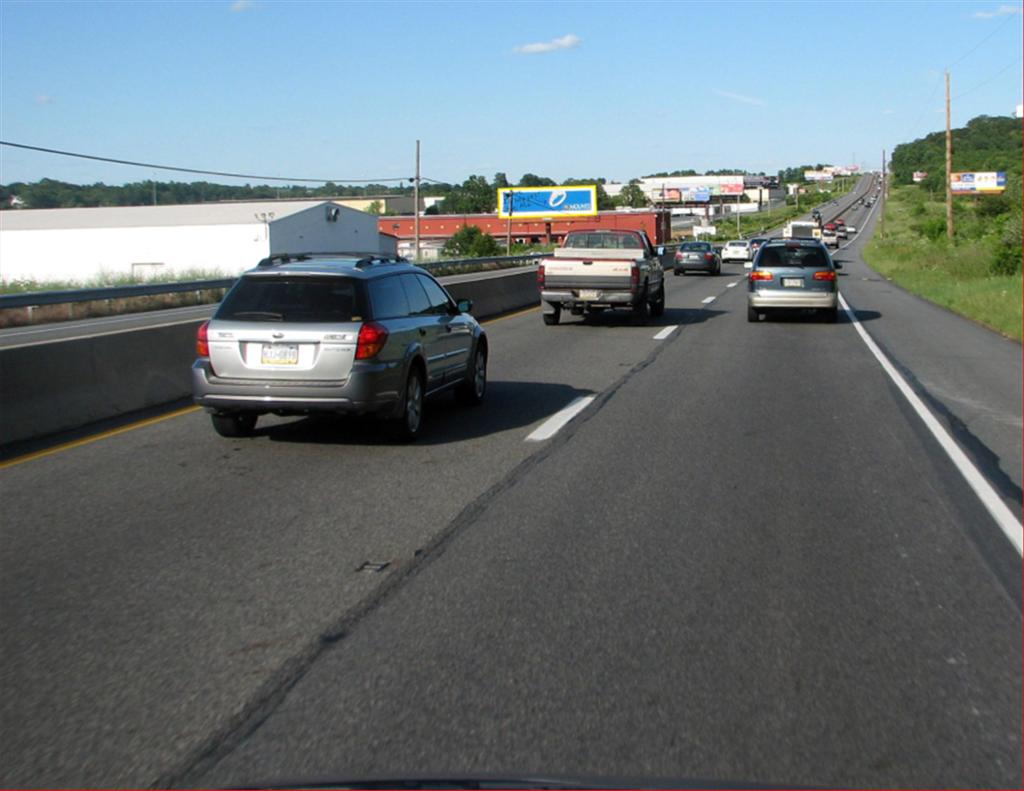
602	269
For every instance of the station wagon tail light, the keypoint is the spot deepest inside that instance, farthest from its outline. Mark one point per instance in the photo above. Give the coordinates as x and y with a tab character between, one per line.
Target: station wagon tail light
760	274
203	340
372	337
540	275
827	274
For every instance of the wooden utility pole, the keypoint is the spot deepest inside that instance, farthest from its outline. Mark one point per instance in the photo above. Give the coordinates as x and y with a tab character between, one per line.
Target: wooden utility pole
508	227
949	168
881	216
416	209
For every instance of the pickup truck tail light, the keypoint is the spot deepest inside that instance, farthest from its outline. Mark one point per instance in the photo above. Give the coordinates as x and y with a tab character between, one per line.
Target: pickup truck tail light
760	274
372	337
827	274
634	276
540	275
203	340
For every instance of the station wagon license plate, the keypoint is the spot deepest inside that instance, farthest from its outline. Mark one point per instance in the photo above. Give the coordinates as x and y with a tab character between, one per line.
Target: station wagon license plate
280	354
792	282
589	293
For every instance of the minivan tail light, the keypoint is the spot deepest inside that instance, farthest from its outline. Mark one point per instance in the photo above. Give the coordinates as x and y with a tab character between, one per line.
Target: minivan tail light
540	275
203	340
372	337
760	274
826	274
709	257
679	256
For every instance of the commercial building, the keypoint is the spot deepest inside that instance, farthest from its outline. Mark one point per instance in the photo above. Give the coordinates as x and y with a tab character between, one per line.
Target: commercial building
383	204
80	244
436	229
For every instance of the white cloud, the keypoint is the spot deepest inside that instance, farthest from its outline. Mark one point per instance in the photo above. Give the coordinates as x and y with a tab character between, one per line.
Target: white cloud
1003	10
739	97
44	99
241	5
565	42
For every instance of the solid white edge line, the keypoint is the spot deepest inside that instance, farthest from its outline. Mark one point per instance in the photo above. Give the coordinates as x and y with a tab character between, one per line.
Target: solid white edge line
1002	515
708	300
557	421
666	332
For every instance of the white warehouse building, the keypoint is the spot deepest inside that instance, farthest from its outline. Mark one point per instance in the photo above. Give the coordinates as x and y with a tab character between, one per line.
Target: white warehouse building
79	244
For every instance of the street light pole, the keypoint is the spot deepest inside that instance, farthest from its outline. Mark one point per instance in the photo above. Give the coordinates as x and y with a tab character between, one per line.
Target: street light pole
416	208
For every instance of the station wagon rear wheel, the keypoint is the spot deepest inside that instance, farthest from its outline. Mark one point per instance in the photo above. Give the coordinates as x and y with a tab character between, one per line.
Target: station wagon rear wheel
471	392
405	426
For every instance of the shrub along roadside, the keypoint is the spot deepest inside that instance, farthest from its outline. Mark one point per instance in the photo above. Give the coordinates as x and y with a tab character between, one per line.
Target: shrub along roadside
978	276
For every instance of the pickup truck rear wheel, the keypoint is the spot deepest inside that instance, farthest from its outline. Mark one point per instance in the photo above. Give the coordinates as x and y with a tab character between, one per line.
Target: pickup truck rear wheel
552	318
642	309
658	306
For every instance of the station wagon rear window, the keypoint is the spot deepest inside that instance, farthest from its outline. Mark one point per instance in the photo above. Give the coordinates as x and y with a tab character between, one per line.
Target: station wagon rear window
293	299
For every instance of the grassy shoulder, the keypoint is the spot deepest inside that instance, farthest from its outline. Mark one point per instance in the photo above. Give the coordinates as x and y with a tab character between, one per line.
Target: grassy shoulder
978	276
108	279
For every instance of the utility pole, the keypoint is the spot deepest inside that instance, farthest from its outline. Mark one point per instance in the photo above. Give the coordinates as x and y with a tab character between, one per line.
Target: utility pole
416	209
949	168
508	227
881	216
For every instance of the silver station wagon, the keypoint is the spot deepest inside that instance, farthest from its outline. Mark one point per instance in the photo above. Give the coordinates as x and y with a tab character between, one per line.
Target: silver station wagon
301	334
793	273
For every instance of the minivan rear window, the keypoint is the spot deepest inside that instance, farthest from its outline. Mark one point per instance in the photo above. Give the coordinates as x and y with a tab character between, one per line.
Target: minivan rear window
293	299
806	256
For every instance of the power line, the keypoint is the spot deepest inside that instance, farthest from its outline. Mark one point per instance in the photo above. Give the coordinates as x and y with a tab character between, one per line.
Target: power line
1009	65
1009	17
151	166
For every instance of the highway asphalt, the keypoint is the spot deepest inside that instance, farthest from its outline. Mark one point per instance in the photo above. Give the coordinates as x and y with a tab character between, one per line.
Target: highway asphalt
745	559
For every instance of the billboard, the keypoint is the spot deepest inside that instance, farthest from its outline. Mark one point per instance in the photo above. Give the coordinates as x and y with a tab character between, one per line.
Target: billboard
919	175
669	195
818	175
541	202
977	183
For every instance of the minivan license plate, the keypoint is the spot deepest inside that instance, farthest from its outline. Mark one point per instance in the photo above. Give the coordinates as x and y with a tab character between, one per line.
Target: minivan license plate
280	354
792	282
589	293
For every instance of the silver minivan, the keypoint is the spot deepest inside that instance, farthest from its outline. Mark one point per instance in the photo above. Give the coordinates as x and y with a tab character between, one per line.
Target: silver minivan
305	334
793	273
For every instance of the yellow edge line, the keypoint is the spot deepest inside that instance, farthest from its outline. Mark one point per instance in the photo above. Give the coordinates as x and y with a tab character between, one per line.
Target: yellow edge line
160	418
97	437
512	315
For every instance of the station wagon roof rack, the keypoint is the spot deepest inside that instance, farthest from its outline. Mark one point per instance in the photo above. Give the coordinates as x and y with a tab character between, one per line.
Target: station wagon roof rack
371	260
283	258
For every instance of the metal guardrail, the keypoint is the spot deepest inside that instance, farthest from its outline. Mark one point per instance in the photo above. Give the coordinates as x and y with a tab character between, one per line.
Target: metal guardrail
37	298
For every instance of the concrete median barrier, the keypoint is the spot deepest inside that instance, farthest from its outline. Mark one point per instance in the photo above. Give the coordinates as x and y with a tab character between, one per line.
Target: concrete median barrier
47	388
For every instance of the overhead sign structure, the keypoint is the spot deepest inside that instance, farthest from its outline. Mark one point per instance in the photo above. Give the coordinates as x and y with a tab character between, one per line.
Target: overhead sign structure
977	183
539	202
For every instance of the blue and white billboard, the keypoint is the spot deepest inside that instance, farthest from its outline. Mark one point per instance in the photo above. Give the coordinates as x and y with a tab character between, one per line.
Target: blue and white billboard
539	202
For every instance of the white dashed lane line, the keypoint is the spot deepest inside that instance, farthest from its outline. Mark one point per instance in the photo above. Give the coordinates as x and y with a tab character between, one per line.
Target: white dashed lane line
708	300
666	332
733	285
560	419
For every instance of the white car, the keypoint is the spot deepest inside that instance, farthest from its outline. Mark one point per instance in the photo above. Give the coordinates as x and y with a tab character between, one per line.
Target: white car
736	250
830	239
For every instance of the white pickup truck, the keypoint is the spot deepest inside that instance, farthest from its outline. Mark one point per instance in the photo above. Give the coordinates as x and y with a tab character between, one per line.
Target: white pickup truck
598	270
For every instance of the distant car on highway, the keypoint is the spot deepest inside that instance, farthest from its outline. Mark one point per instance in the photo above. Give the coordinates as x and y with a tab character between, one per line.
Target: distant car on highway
697	257
830	238
736	250
307	333
793	273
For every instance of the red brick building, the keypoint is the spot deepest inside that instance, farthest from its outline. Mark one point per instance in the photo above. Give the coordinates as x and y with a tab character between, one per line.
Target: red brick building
437	228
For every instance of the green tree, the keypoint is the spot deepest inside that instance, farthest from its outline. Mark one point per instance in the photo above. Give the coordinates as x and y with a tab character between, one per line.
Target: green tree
474	196
633	196
470	242
532	180
375	208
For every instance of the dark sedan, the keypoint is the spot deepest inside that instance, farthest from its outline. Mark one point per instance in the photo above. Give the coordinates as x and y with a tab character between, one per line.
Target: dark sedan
697	257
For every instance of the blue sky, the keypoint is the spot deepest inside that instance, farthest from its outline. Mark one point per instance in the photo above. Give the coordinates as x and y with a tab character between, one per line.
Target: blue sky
336	90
